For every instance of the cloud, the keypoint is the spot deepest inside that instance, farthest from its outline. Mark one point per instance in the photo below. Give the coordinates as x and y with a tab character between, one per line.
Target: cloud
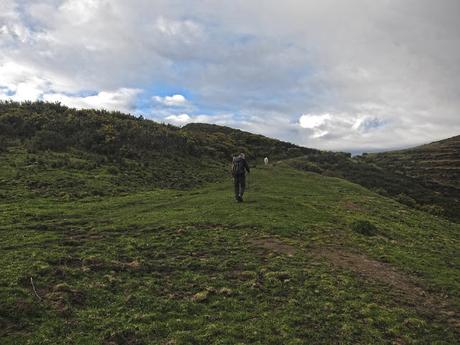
179	120
118	100
183	119
21	83
171	101
313	121
386	72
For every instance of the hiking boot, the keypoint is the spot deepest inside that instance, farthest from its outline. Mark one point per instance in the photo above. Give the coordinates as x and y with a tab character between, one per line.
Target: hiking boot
240	199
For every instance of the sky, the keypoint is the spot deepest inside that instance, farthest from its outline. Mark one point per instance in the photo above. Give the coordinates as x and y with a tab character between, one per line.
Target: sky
348	75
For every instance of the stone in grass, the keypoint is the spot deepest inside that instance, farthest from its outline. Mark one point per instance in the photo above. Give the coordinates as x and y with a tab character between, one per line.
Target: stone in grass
200	296
364	227
226	291
281	276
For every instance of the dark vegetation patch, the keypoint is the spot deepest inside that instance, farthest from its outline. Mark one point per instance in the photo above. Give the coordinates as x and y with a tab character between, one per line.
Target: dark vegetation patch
62	297
16	313
364	227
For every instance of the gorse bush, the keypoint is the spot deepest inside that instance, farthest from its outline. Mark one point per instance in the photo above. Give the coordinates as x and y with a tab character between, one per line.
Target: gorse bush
406	200
51	126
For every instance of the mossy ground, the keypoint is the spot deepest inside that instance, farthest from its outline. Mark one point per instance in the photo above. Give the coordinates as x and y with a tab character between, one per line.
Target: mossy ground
191	267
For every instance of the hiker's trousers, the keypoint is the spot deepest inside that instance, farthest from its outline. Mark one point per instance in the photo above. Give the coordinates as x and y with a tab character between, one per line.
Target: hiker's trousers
240	184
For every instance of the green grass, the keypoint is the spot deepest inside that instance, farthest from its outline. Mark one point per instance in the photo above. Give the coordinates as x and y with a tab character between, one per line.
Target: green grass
182	267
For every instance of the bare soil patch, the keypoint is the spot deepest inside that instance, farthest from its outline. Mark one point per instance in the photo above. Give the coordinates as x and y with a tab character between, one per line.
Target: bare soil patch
350	205
408	287
274	245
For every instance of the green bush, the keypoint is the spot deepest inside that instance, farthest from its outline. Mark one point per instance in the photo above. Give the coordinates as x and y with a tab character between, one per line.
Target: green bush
433	209
364	227
406	200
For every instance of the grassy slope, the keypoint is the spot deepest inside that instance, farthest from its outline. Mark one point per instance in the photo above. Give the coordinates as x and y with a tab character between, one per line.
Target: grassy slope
374	172
76	174
182	267
436	165
41	141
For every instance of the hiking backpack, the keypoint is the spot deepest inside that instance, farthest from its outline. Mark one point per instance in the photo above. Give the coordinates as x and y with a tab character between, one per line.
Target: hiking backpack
237	166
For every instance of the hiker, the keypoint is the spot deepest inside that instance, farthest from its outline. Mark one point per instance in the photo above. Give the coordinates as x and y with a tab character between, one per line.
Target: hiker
239	168
266	160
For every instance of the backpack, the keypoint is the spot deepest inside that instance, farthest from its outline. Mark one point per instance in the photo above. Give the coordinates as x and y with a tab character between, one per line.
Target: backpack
238	166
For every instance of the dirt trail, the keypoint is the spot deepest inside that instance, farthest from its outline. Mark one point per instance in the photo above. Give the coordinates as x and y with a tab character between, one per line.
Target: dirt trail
409	289
274	245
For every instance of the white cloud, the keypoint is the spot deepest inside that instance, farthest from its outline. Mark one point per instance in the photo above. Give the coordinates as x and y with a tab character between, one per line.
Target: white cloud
21	83
172	101
183	119
122	100
179	120
313	121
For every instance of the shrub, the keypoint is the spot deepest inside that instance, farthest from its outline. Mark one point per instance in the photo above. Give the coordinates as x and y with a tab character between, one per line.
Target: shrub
331	173
47	140
113	170
364	227
303	164
433	209
406	200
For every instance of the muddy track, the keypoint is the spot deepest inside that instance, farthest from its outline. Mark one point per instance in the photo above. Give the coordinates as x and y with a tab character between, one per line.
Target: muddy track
409	289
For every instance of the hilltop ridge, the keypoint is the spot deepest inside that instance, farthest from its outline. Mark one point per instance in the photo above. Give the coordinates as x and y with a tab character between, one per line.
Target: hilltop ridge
111	153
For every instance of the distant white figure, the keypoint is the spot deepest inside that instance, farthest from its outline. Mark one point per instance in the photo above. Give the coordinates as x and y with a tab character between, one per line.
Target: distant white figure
266	160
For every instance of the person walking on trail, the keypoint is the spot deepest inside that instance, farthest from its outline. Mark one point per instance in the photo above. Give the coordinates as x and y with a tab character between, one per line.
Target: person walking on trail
239	168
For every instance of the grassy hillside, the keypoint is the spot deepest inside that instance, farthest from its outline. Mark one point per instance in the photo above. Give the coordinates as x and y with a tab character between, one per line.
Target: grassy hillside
306	259
49	149
228	140
435	165
119	230
385	179
411	177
